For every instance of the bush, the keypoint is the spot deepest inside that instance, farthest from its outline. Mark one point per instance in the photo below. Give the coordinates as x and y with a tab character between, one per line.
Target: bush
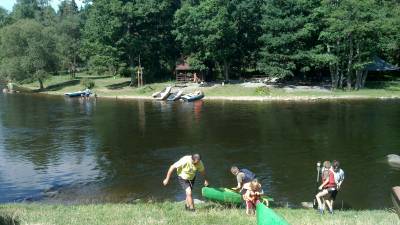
88	83
263	91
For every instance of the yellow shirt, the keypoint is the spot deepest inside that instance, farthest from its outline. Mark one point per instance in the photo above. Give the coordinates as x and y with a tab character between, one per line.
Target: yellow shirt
186	169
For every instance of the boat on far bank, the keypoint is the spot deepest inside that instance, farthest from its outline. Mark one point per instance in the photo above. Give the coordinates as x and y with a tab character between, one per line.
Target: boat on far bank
84	93
175	96
193	96
162	95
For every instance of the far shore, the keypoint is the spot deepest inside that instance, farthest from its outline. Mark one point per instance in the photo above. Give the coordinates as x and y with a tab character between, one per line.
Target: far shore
118	88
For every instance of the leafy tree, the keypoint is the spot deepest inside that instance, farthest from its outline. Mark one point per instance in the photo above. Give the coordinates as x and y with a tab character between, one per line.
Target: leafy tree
351	35
25	9
118	32
207	33
291	31
69	35
28	52
4	17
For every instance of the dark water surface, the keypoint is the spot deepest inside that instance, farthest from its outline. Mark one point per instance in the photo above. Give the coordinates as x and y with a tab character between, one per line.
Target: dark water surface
56	149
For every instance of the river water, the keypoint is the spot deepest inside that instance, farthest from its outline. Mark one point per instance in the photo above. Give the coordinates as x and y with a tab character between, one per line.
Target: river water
56	149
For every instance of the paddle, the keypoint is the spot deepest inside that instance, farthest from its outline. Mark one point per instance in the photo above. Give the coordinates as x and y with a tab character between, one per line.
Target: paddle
317	184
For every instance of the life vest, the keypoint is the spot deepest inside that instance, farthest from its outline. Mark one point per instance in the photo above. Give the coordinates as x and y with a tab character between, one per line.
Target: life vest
332	182
248	175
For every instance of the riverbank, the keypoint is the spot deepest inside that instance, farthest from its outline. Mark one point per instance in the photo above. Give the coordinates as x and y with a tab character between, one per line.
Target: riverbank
117	87
173	213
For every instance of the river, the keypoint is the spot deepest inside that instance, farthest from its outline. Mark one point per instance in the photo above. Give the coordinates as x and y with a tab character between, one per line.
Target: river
55	149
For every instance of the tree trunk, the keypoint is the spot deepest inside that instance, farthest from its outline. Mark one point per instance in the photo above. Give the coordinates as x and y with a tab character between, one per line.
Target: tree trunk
359	72
41	86
332	71
350	62
364	78
133	72
226	70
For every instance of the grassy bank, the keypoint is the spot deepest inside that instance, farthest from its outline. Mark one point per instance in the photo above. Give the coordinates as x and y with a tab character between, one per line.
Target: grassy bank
107	86
173	213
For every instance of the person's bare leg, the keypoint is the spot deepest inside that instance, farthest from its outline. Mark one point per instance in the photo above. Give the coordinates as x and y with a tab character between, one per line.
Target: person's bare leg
321	203
189	198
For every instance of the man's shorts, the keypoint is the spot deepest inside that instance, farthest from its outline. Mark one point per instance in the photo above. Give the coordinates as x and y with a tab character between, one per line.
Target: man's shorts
333	194
186	183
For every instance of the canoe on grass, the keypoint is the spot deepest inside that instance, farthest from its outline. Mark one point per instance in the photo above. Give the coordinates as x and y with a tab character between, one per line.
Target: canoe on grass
396	199
193	96
225	195
175	96
85	93
267	216
162	95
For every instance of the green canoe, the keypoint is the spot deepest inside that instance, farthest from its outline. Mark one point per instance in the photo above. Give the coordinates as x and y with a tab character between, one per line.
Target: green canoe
267	216
224	195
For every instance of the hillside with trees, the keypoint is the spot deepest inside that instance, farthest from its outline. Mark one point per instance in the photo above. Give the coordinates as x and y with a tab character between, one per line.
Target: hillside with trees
301	40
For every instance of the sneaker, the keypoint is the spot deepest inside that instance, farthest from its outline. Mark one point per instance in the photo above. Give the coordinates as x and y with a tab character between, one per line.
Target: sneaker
191	209
331	212
321	211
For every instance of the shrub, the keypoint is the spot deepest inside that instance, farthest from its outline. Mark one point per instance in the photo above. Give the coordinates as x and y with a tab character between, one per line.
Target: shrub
263	91
88	83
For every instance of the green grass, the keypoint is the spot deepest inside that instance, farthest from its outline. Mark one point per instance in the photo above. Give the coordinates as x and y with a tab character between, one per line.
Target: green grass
173	213
116	87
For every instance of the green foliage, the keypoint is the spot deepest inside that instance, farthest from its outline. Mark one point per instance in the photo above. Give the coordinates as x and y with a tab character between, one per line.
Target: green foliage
300	39
290	34
88	83
27	51
262	91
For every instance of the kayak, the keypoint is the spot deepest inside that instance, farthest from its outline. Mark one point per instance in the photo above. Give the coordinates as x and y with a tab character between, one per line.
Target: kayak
223	195
226	195
162	95
396	199
175	96
78	94
193	96
267	216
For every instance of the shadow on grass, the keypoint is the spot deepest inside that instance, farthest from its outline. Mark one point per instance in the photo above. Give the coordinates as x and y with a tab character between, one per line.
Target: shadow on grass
59	86
92	77
118	85
8	220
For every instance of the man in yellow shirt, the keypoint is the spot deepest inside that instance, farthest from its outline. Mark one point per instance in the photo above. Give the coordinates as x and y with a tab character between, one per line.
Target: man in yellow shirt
186	169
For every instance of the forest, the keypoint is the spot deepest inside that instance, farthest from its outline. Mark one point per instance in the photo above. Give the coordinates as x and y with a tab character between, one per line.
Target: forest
305	40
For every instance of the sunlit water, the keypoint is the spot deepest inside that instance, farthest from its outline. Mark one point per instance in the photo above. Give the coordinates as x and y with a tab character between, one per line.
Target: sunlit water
70	150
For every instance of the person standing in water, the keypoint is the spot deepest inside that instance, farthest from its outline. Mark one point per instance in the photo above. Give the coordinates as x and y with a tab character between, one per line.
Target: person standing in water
187	168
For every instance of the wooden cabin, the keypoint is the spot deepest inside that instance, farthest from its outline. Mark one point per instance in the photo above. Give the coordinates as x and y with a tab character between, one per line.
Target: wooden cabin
185	74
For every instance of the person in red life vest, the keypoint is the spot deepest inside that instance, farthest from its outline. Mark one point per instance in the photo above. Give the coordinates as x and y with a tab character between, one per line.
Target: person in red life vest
252	196
328	186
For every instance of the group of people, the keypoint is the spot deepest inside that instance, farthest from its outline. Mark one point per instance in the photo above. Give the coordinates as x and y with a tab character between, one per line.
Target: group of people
332	177
248	185
187	167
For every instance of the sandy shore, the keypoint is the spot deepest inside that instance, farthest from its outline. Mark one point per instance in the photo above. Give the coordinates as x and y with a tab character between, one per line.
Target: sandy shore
263	98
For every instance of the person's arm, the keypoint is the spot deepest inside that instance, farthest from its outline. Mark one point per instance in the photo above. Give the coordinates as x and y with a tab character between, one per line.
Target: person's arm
239	179
323	184
203	173
169	173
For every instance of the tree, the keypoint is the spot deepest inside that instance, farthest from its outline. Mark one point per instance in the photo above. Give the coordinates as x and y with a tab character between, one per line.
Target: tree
351	35
291	31
117	32
4	17
69	35
207	33
28	52
25	9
